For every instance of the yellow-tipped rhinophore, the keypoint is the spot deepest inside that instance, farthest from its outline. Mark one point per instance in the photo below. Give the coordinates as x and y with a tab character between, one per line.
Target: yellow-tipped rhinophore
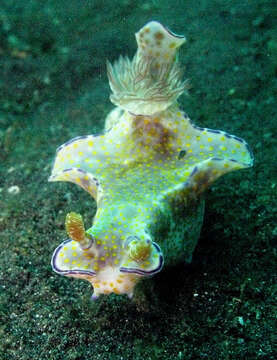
75	229
139	250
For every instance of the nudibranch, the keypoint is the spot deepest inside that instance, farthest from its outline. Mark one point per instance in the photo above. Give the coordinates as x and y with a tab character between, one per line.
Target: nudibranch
146	171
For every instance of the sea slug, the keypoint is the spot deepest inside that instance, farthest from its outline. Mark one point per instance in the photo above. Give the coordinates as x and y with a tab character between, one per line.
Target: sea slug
146	172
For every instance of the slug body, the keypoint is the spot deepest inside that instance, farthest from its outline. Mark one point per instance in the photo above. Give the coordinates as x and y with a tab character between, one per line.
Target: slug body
146	173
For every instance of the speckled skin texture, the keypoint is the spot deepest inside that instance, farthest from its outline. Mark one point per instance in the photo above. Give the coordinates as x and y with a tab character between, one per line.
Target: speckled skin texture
177	229
147	173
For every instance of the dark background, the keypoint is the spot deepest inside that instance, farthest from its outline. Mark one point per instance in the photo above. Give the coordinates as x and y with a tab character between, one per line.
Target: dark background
53	87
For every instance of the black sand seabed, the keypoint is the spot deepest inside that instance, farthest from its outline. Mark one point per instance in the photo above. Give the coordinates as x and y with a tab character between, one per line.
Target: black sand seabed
54	87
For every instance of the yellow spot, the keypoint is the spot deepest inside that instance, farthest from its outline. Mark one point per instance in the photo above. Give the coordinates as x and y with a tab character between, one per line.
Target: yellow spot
119	281
74	254
61	254
159	35
66	260
111	284
96	285
223	148
226	165
75	146
74	262
80	153
172	45
210	139
223	138
90	143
